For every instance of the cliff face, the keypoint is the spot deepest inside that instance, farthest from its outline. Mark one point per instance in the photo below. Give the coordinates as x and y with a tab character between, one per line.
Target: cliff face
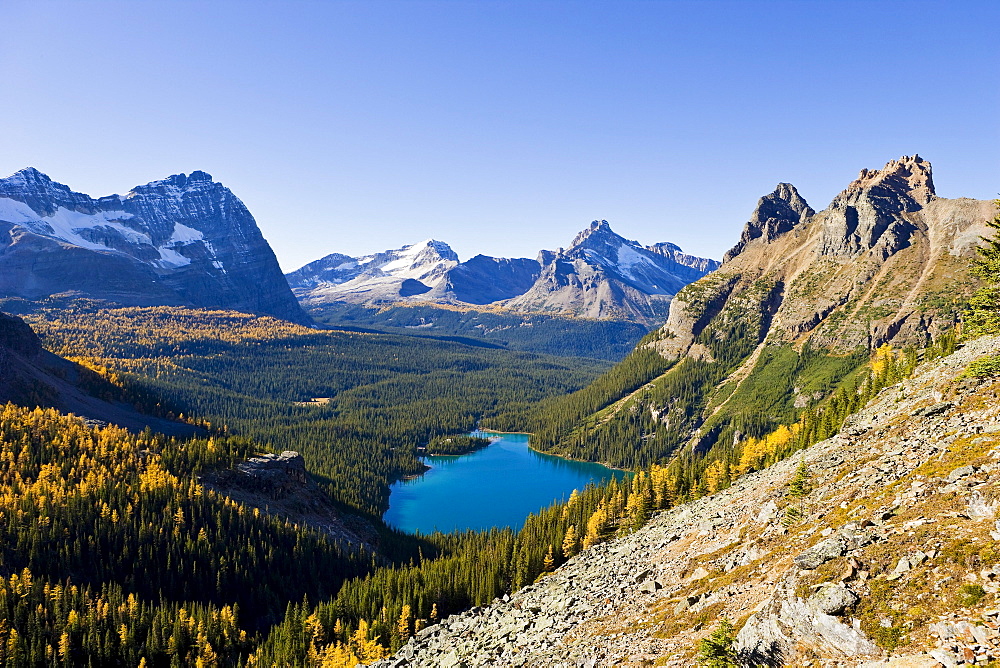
889	557
184	240
280	485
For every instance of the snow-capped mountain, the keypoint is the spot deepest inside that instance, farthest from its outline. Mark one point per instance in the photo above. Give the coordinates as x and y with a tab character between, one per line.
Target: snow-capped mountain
183	240
601	275
382	277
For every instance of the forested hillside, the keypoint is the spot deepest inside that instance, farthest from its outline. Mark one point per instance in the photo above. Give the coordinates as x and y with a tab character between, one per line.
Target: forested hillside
356	405
112	551
530	332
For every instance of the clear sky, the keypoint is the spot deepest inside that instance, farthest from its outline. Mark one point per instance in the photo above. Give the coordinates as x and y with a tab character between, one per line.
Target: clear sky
499	127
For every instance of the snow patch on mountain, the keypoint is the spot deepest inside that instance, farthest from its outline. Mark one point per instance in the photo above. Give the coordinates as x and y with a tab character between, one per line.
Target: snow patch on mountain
388	276
84	230
628	258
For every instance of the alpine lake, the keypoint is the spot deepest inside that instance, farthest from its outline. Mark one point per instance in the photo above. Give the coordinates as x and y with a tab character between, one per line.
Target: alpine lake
495	486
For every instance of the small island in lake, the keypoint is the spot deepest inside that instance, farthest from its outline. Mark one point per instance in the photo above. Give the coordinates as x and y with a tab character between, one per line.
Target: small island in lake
455	445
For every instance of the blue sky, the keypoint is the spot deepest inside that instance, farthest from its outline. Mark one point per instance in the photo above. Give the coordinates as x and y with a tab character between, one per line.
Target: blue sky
499	127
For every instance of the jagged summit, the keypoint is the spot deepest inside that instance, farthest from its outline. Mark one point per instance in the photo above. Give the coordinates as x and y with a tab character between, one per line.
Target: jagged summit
776	213
870	214
867	216
604	275
862	272
183	240
597	228
909	176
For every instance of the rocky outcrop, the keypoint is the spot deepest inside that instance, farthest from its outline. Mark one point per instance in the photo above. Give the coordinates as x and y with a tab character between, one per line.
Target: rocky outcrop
276	476
279	484
184	240
883	263
869	216
775	214
823	586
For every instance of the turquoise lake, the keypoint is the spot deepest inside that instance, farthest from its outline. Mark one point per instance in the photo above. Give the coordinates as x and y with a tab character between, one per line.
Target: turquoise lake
497	486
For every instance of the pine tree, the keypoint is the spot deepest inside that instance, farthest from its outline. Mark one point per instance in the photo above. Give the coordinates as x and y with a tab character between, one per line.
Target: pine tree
716	651
983	314
798	487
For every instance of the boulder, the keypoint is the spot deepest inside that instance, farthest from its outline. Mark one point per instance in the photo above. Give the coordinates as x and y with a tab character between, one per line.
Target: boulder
833	600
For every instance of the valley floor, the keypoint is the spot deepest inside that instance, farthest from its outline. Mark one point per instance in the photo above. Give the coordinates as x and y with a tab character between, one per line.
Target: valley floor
891	554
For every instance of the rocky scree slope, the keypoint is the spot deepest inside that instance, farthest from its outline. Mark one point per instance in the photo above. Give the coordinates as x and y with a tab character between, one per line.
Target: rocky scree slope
890	559
601	275
185	240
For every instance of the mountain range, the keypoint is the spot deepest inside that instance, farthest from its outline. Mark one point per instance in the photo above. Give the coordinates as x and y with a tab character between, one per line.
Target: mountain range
187	240
184	240
601	275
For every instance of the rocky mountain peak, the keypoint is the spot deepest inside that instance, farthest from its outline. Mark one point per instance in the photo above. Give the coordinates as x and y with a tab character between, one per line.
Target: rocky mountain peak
29	175
433	250
869	215
42	194
185	239
600	229
908	178
776	213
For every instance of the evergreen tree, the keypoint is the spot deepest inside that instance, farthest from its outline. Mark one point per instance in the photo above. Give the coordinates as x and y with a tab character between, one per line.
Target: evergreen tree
549	563
798	487
716	651
983	314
